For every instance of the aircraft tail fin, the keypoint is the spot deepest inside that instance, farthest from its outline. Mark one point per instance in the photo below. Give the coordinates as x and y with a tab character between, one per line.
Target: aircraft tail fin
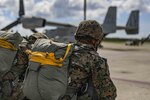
109	24
132	26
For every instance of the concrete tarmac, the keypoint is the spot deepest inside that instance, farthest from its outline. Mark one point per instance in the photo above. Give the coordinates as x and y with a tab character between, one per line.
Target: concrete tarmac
129	68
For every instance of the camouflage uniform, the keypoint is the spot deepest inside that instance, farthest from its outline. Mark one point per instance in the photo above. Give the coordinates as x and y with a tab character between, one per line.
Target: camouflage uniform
18	69
89	77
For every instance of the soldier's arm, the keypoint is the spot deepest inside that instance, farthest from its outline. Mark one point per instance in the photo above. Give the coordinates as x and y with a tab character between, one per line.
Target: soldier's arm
101	78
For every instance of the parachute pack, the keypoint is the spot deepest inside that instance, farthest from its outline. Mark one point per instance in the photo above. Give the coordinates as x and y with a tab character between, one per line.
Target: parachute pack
9	44
47	74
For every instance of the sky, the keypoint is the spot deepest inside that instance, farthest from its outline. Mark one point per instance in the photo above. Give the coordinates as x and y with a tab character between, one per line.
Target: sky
71	11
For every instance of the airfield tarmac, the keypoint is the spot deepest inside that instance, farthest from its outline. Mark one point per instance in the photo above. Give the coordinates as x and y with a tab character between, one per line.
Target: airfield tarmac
129	68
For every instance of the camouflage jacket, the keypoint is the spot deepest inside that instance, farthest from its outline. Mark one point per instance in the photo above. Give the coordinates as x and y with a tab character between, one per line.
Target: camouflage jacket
87	64
18	69
20	64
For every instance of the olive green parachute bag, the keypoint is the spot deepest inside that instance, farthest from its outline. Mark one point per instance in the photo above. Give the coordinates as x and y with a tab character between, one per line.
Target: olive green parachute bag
9	44
47	74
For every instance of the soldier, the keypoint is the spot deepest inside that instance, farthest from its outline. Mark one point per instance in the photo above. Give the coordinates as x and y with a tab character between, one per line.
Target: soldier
20	64
89	77
12	69
21	61
9	45
32	38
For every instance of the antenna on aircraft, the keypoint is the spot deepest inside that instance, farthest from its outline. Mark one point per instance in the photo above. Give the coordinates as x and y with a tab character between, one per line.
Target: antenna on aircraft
21	8
84	9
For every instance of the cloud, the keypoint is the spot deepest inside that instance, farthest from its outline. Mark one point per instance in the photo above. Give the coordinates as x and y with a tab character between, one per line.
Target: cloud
4	21
42	8
6	3
68	10
61	9
71	8
128	5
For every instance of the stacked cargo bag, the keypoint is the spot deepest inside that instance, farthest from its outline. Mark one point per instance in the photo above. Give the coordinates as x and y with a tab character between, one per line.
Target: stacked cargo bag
9	44
47	74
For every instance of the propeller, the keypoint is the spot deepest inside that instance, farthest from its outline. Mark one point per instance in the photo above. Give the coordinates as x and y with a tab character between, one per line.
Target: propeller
34	31
84	9
32	22
18	21
11	25
21	8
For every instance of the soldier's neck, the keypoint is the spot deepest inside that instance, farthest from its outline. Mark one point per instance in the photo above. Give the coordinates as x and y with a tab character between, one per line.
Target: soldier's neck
86	45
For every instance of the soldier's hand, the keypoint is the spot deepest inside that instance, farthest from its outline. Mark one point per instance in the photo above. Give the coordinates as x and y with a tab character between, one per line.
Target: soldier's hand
9	76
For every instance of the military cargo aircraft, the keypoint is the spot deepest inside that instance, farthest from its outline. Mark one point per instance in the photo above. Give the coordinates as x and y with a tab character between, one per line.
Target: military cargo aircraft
109	24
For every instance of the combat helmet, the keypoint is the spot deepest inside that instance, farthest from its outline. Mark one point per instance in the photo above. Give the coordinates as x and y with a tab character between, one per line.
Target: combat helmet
36	36
32	38
89	28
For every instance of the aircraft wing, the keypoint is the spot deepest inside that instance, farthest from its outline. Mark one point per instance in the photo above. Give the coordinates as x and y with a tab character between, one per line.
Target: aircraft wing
37	22
58	24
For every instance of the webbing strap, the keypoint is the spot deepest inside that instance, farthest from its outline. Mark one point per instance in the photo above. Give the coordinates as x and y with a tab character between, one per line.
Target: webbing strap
47	58
7	45
67	51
